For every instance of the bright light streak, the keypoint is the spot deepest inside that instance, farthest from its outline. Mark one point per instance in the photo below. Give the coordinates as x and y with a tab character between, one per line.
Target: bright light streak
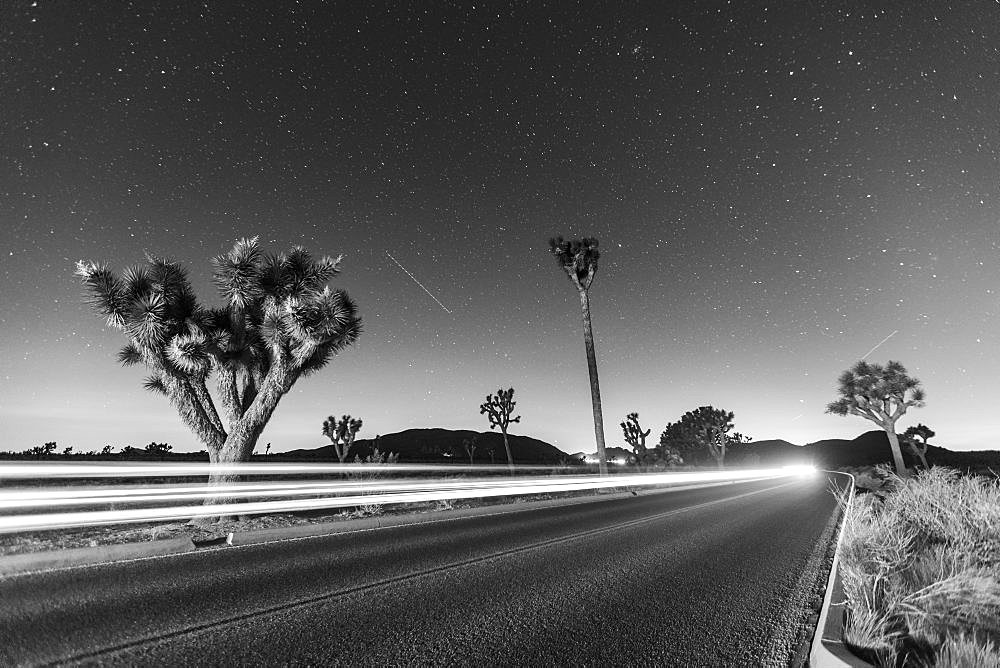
332	494
167	469
800	469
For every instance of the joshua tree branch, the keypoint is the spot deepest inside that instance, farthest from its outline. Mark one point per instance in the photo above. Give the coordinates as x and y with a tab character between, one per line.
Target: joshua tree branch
207	405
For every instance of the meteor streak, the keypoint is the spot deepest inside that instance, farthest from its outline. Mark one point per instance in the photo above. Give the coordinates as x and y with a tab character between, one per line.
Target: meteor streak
880	343
418	283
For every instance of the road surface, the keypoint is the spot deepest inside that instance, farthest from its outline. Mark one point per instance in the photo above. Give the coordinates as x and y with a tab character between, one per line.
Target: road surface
718	576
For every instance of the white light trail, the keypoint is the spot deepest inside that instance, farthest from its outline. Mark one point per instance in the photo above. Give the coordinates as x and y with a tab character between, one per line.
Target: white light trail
167	469
879	344
418	283
332	494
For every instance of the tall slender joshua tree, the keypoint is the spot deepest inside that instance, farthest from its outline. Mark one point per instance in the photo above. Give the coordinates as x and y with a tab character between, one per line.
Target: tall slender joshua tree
279	322
578	258
498	411
880	394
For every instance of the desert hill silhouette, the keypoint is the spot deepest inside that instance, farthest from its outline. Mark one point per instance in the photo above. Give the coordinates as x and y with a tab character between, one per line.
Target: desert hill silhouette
868	449
444	445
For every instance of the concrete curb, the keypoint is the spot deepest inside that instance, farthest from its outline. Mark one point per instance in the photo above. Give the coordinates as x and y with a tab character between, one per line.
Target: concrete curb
14	564
828	649
384	522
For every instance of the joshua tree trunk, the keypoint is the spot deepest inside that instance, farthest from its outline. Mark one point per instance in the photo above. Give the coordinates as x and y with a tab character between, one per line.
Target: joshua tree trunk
897	454
920	450
595	388
510	458
239	445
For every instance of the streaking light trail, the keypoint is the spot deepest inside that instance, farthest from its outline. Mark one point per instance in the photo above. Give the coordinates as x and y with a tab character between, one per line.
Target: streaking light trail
879	344
31	509
418	283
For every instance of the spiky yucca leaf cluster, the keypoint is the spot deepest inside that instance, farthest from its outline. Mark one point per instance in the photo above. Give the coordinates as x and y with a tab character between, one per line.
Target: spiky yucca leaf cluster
279	321
877	393
578	258
498	409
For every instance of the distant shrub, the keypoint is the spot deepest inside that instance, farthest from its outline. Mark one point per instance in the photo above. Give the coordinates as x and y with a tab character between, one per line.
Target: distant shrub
376	457
40	451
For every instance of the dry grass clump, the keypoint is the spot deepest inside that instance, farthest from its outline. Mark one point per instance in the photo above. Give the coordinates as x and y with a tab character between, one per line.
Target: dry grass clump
920	564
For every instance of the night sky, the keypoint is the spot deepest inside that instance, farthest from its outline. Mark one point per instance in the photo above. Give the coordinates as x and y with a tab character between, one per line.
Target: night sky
776	188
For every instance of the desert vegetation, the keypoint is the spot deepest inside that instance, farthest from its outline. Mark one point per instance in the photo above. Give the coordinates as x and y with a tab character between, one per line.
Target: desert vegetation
578	258
342	434
700	432
920	565
880	394
279	322
498	410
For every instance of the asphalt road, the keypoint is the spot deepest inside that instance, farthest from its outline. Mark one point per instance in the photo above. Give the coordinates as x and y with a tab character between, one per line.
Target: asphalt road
704	577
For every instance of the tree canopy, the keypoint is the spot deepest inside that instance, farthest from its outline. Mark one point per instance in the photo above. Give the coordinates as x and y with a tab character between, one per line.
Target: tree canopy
279	321
881	394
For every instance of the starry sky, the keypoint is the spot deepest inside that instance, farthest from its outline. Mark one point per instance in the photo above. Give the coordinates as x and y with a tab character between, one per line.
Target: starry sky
776	187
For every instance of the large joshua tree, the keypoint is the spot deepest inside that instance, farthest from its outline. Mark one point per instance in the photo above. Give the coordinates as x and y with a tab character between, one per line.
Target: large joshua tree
880	394
279	322
498	411
578	258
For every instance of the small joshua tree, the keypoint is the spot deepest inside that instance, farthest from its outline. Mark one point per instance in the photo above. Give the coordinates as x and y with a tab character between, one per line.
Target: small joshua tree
880	394
470	445
636	438
341	434
918	447
578	258
498	410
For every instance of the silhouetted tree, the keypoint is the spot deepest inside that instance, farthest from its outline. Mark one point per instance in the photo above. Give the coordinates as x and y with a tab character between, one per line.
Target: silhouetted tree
918	447
128	452
341	434
676	444
498	410
636	438
158	449
40	451
470	445
106	450
279	323
578	258
67	451
880	394
703	429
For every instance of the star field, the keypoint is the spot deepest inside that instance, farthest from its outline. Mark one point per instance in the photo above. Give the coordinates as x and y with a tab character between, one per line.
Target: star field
776	188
